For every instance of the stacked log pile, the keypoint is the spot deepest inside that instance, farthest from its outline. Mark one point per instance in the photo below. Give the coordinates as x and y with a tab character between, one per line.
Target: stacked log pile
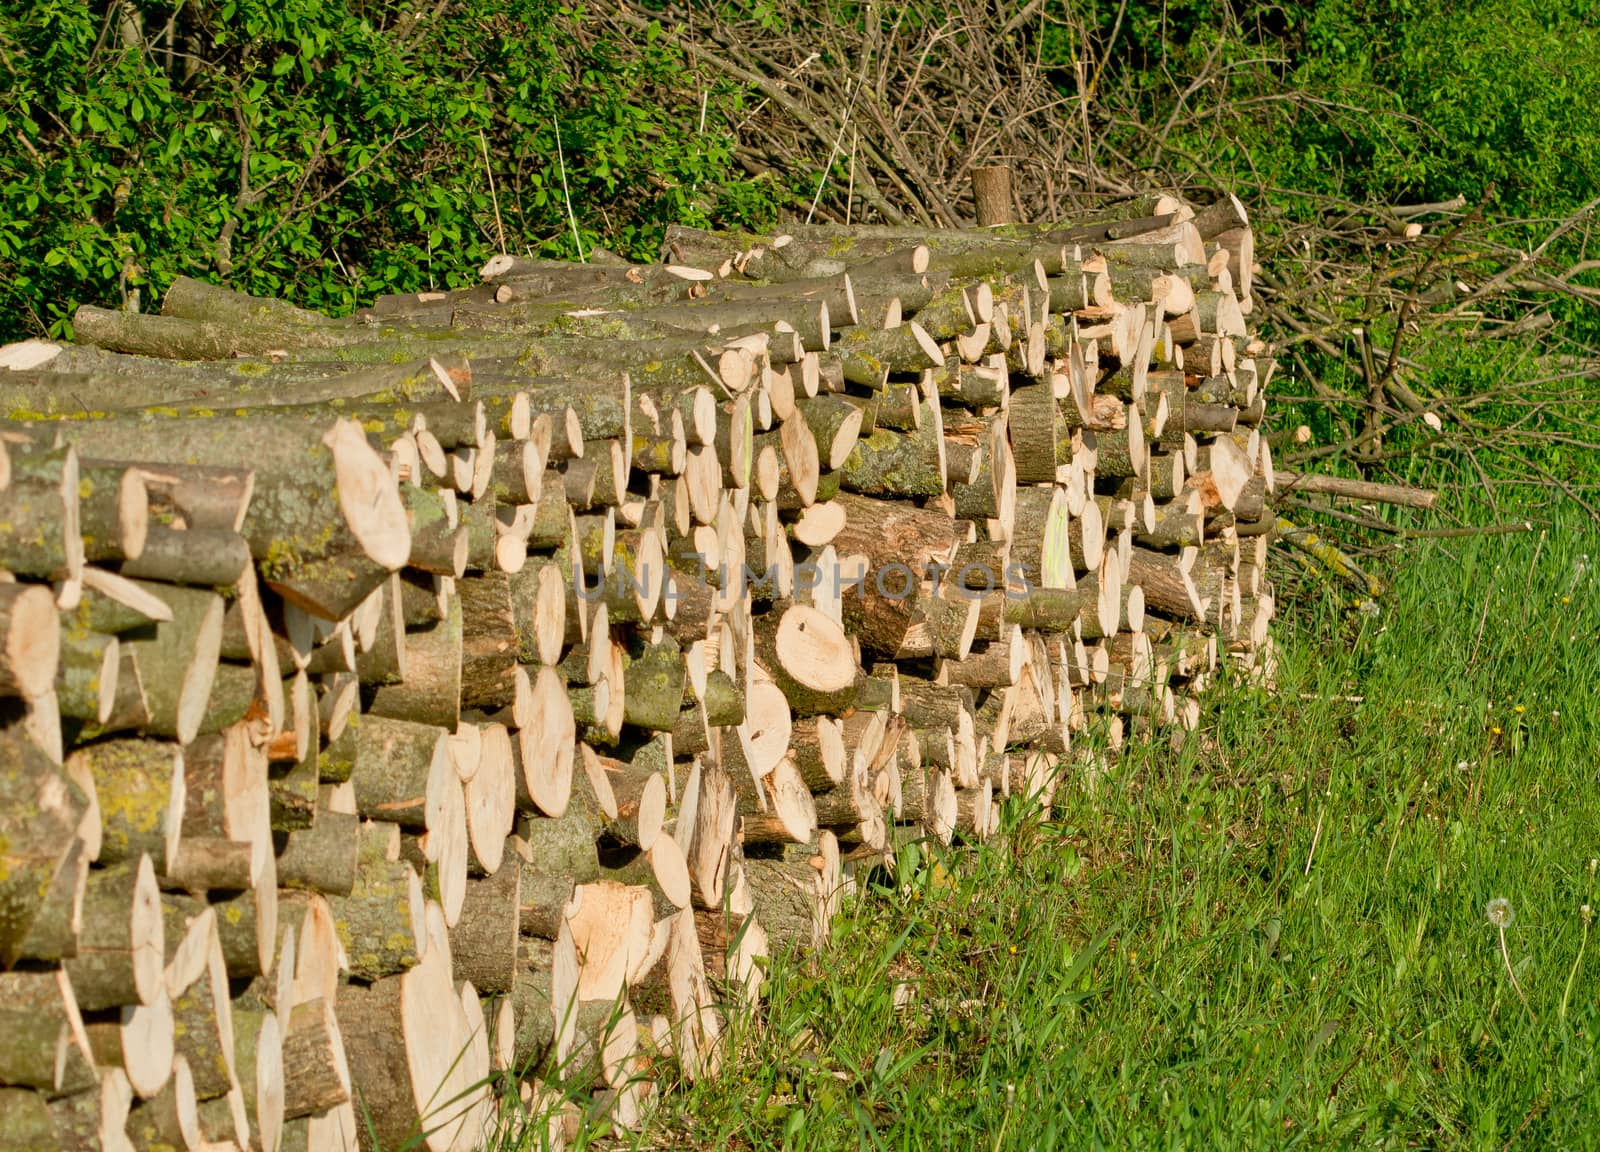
419	717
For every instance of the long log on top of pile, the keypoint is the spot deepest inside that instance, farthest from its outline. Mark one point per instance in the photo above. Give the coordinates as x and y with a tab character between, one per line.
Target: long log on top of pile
473	692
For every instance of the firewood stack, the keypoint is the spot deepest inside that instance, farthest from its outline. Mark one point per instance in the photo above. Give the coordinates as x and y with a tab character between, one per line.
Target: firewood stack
472	692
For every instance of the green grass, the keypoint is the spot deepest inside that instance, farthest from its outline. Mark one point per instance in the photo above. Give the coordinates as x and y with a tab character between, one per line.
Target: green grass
1274	938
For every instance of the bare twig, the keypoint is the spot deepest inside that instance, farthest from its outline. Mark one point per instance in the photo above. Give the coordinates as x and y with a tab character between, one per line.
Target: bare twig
566	194
500	228
902	97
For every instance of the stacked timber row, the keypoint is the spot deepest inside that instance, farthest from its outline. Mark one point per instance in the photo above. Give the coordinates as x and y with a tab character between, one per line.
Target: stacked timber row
439	713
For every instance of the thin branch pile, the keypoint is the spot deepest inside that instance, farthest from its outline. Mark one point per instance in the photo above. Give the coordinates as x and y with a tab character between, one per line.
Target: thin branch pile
1439	343
419	720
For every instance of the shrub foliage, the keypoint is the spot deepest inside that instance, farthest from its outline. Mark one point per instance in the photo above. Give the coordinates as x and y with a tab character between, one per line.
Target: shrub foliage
327	151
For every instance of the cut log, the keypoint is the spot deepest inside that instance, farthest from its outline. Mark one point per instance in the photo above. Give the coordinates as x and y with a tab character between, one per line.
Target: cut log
890	532
380	923
41	811
316	1077
545	1000
171	1117
835	423
1041	540
489	649
120	946
820	754
178	662
431	690
258	1060
393	1036
491	798
892	464
755	747
485	937
655	688
545	741
809	657
45	1035
203	1022
137	1040
198	556
778	807
640	793
321	858
787	891
30	642
39	515
928	797
610	925
95	1119
326	522
400	771
553	854
1168	588
538	601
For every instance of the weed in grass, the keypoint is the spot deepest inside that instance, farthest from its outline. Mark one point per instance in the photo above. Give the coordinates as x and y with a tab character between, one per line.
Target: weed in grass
1586	913
1500	913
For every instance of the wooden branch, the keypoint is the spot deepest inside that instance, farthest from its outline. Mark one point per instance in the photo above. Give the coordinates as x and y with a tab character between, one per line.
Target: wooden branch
1366	490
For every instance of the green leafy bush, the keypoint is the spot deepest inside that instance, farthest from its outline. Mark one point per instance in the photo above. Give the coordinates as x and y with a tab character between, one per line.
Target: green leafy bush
1394	100
328	152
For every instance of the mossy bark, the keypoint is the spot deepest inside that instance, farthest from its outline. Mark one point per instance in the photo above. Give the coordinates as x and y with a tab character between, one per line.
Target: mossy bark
375	923
40	810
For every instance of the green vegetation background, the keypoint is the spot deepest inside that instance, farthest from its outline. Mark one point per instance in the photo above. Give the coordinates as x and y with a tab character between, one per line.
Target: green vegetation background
332	150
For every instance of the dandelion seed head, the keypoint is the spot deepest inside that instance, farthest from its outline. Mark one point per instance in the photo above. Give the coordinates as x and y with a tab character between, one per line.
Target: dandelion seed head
1499	912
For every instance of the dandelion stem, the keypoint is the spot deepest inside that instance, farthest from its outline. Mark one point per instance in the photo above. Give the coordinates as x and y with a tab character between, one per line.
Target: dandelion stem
1509	972
1576	964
